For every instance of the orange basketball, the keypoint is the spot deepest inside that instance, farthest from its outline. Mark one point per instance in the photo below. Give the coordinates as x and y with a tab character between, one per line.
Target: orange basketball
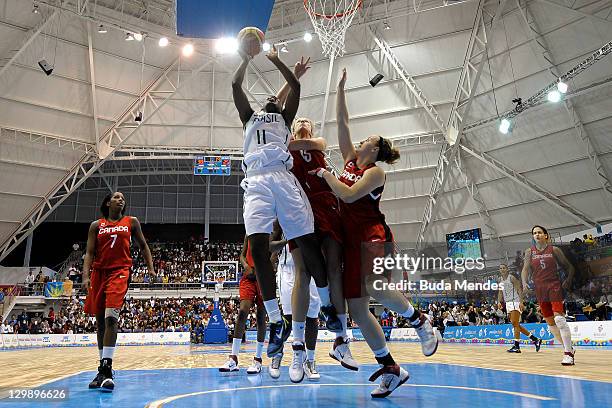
250	40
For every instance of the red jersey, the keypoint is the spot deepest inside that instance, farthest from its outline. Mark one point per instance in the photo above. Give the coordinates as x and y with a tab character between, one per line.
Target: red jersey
249	256
544	265
367	208
303	162
113	244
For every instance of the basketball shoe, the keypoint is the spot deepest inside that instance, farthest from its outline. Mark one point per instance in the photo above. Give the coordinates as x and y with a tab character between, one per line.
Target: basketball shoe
568	357
330	316
231	364
341	352
514	349
310	369
279	333
392	377
429	340
296	369
274	368
255	368
537	343
96	382
107	383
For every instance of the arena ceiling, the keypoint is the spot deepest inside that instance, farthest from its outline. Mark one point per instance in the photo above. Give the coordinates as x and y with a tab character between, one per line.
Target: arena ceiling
450	68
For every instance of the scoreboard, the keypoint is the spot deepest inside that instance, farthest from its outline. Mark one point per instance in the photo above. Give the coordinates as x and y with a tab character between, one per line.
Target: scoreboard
212	166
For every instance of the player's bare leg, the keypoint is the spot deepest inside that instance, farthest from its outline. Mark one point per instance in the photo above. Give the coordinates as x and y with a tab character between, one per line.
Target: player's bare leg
315	266
95	383
515	317
300	299
392	374
232	361
280	328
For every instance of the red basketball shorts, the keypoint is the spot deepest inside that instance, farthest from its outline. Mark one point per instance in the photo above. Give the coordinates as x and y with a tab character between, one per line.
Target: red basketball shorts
362	243
249	290
550	297
326	217
107	290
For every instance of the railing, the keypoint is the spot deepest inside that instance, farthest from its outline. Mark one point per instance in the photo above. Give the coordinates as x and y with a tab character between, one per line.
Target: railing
9	301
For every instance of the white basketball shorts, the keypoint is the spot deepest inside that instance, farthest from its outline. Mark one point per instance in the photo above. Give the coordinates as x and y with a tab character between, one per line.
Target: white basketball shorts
286	275
272	195
510	306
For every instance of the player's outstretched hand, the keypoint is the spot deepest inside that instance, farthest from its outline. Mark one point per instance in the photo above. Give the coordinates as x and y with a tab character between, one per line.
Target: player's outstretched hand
273	53
319	172
301	67
342	79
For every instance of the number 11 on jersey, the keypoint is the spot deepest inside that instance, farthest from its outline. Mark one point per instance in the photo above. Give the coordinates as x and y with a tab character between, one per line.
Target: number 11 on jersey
261	135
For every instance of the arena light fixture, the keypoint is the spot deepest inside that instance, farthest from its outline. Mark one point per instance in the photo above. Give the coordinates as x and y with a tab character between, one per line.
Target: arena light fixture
188	50
129	37
227	45
562	87
504	126
35	8
307	37
102	29
554	96
163	42
386	25
138	36
266	46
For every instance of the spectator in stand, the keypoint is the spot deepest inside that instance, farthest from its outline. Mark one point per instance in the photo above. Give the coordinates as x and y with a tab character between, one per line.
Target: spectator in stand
5	328
51	316
29	280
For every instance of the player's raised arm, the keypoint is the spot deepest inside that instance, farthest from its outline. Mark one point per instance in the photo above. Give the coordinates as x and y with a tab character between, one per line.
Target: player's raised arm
372	179
342	117
293	99
89	252
240	99
299	69
142	244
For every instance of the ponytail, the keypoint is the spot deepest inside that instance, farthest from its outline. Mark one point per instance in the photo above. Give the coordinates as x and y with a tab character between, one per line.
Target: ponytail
386	152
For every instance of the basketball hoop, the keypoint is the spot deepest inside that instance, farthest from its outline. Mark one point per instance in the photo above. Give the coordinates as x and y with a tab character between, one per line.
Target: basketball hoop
331	19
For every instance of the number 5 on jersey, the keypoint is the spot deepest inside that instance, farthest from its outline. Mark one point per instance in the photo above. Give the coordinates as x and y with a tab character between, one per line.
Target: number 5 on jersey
261	134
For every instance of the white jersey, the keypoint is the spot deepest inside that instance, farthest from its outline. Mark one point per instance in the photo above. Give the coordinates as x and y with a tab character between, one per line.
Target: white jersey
509	292
266	137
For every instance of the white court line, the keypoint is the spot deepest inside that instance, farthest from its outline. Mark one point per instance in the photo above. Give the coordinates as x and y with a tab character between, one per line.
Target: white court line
160	403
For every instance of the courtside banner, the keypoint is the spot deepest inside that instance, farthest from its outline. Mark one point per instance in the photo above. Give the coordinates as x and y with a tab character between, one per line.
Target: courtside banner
583	333
8	341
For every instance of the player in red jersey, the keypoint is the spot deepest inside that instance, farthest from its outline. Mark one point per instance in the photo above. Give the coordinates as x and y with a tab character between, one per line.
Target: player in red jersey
359	189
542	259
249	296
108	256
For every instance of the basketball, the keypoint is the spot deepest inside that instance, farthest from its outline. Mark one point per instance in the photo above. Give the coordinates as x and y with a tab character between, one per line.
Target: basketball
251	40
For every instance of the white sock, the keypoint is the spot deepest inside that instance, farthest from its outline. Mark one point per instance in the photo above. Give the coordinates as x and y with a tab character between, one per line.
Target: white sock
566	334
381	352
274	313
410	313
310	355
343	320
259	349
100	352
556	333
236	346
324	295
108	352
299	330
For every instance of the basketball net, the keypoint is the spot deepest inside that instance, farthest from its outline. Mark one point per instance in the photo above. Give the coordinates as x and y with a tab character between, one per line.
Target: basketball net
330	20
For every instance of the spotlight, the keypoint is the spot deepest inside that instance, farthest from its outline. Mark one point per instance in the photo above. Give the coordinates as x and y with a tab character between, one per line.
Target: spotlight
376	79
163	42
35	8
307	37
504	126
44	65
284	48
129	37
386	25
188	50
554	96
227	45
138	117
562	87
266	47
138	36
102	29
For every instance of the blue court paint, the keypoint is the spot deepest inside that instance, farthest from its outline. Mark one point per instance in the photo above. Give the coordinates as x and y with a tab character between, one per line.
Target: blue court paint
430	385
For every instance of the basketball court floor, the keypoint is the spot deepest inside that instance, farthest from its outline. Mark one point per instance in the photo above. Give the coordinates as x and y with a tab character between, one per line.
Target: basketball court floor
182	376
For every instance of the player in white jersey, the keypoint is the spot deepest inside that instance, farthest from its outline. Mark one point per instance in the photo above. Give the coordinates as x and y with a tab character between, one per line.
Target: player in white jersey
512	293
289	274
271	192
